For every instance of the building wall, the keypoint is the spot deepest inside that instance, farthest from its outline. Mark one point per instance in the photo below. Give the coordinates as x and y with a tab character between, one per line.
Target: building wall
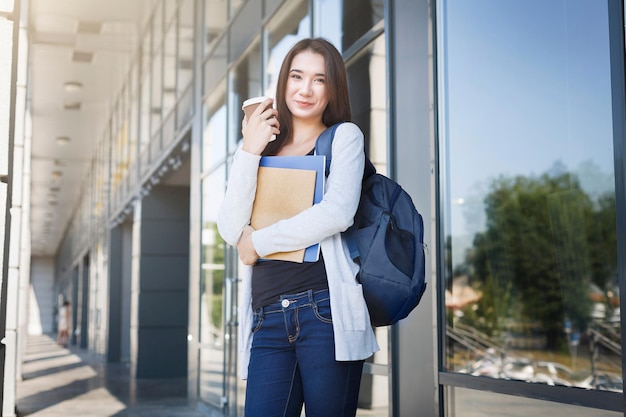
44	302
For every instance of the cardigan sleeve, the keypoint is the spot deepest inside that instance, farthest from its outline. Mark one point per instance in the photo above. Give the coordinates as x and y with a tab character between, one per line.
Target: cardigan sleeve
335	213
236	208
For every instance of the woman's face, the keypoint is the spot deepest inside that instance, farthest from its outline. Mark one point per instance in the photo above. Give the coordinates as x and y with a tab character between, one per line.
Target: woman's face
305	94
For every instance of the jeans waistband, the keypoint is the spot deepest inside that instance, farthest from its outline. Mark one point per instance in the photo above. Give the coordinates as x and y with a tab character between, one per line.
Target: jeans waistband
292	301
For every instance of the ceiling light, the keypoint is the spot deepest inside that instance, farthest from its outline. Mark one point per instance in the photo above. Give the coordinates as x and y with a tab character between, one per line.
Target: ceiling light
71	105
82	56
63	140
72	86
57	174
89	27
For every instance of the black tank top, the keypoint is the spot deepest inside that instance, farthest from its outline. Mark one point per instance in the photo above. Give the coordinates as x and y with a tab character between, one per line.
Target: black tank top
271	279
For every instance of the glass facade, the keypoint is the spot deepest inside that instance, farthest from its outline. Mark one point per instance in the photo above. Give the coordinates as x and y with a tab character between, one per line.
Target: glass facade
529	214
524	192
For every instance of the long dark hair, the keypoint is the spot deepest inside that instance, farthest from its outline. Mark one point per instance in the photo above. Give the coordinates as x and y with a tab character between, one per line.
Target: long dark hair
338	108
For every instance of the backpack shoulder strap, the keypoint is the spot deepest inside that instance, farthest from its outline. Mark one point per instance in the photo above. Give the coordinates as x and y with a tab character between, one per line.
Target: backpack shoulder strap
324	144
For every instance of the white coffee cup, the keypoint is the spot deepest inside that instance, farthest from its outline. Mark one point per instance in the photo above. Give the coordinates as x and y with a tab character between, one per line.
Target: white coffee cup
250	105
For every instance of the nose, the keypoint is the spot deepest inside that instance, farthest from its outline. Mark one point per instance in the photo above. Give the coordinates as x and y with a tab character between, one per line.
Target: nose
305	89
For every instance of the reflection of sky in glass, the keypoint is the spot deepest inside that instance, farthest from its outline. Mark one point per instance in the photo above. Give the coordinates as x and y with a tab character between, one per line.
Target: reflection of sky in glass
278	52
214	150
213	194
527	93
214	144
328	23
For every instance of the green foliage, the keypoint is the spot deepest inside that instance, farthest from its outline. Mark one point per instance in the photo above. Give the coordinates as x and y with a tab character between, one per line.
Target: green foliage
544	243
213	275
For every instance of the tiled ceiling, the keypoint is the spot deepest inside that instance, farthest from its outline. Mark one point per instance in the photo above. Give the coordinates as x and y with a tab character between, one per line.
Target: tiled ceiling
80	52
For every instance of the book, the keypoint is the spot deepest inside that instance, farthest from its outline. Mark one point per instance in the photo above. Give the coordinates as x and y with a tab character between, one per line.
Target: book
286	185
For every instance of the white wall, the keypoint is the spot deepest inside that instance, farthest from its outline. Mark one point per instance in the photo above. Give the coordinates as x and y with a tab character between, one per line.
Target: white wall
42	298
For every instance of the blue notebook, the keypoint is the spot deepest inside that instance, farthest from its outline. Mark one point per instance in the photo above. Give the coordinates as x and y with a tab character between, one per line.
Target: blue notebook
315	163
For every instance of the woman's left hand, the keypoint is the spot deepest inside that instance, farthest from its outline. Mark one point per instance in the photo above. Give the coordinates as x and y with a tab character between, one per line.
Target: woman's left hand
245	246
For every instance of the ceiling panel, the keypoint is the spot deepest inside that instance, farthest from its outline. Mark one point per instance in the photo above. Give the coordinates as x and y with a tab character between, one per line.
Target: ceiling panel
107	30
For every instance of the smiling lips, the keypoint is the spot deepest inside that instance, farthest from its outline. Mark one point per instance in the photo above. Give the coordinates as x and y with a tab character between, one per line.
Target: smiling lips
304	104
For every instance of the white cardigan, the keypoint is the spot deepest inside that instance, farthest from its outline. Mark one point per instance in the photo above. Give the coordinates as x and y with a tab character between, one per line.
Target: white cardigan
324	222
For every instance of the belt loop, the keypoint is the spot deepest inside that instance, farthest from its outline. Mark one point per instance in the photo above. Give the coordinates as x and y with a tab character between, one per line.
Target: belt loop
311	298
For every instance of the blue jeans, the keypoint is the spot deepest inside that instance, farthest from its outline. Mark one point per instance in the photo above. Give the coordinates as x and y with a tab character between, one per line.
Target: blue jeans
292	362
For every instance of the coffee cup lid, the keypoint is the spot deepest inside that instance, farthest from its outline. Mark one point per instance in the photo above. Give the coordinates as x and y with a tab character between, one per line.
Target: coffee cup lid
253	100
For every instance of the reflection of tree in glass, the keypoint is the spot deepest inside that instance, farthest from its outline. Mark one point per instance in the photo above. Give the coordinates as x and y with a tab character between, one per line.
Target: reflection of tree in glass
544	243
213	274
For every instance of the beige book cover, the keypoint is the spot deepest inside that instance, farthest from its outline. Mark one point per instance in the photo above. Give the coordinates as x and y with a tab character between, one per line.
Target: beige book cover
282	193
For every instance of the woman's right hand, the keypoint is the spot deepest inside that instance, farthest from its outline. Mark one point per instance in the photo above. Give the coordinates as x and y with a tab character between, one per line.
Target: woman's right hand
258	130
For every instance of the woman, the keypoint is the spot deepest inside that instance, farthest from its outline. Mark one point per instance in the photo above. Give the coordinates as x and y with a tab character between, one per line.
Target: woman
63	324
294	351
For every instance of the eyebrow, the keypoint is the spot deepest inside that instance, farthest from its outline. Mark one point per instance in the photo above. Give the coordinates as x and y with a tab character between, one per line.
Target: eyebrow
319	74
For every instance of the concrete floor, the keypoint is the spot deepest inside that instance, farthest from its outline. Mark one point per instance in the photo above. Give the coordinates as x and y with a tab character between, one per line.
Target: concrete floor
62	382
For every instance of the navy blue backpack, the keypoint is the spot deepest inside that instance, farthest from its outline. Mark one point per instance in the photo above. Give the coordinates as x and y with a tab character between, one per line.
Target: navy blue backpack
386	240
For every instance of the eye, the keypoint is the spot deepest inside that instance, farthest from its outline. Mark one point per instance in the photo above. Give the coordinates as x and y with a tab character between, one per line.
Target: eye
320	80
295	76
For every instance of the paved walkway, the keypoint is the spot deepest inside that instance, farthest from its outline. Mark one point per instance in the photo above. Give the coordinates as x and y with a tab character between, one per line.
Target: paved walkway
60	382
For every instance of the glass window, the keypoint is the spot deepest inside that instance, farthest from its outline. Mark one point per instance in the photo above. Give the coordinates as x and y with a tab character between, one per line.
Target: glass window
158	25
169	69
145	81
215	21
367	82
214	137
354	17
284	30
246	82
235	5
170	12
212	335
216	66
185	62
185	44
133	123
156	106
469	403
122	142
529	200
328	21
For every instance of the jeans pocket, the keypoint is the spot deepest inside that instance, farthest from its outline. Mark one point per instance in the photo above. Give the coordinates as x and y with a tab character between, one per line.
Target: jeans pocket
322	310
257	322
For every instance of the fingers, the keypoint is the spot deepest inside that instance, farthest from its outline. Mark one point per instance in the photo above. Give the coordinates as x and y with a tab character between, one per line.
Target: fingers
259	128
264	106
245	247
271	121
265	111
